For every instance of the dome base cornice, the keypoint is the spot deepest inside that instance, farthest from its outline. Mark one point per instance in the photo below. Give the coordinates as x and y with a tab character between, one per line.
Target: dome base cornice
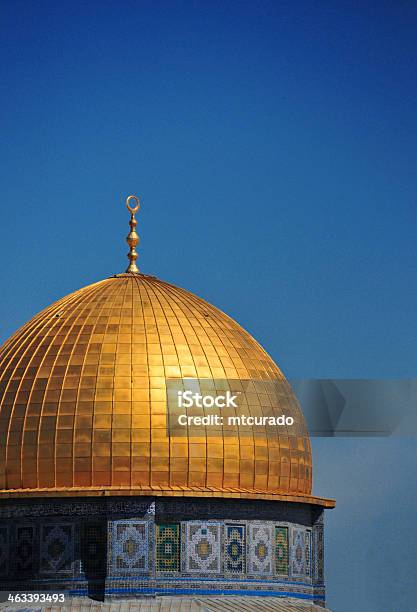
169	492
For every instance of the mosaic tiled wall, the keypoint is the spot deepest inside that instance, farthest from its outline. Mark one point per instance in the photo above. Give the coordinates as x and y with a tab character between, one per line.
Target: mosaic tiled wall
57	548
318	553
4	550
235	549
298	555
25	559
252	548
307	542
281	551
260	549
143	553
129	547
201	548
94	548
168	548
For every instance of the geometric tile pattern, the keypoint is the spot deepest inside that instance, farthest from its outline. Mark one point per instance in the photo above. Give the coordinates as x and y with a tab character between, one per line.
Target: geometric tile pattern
130	549
25	548
4	550
281	551
222	550
93	549
202	547
318	549
234	549
260	549
308	552
167	548
298	553
57	547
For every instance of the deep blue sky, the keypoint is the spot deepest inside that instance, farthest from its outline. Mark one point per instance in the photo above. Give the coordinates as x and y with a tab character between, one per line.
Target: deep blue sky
274	147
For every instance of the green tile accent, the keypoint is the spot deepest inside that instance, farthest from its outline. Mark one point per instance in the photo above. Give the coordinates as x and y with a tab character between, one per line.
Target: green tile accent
167	548
281	551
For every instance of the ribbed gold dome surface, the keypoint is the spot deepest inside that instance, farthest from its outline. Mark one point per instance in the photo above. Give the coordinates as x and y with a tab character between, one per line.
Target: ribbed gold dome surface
83	400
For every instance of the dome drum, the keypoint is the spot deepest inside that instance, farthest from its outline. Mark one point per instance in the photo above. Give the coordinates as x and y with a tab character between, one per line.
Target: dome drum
107	546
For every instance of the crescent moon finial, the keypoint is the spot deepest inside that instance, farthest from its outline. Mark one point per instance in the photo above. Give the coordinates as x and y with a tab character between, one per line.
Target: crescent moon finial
132	238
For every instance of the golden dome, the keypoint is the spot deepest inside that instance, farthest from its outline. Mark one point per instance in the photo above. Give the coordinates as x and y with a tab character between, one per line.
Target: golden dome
83	400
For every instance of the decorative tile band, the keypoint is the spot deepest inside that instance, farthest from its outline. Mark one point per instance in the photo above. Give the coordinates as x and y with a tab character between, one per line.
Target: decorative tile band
4	550
202	547
318	553
260	549
202	591
281	551
93	549
25	549
235	549
168	548
130	547
139	554
307	537
298	556
57	548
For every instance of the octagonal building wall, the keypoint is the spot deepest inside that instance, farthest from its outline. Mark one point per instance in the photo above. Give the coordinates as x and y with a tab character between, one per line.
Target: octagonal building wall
112	547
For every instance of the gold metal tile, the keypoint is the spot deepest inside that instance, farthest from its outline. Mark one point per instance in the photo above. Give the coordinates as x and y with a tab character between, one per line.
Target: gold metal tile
97	380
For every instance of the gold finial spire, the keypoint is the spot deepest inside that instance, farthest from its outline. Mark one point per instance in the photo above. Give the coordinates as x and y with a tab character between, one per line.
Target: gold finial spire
132	238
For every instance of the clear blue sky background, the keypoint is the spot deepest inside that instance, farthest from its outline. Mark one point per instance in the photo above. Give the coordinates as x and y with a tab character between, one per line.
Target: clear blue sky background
274	147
